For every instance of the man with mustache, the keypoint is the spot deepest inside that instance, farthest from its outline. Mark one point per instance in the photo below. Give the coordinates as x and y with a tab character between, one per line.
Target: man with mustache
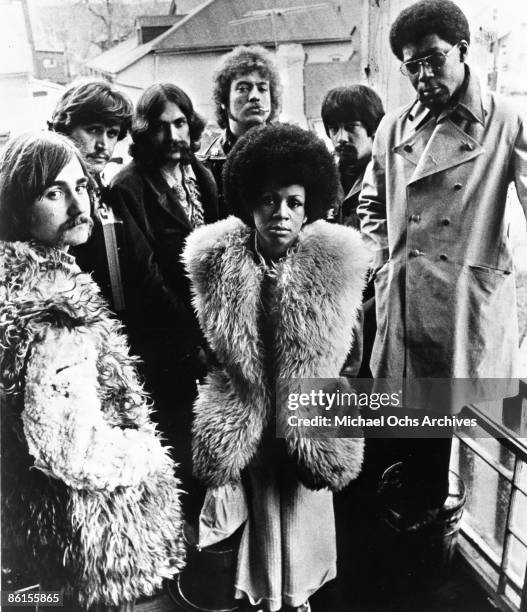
90	504
96	116
433	210
351	115
246	93
161	196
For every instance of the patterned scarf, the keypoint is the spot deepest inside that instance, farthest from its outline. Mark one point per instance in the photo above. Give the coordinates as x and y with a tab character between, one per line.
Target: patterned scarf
188	195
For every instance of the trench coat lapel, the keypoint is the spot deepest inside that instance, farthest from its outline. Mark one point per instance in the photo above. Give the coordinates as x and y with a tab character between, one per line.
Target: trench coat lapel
435	147
445	147
167	200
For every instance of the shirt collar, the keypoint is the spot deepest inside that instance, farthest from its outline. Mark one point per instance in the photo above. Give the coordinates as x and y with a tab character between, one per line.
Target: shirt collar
469	104
176	175
228	140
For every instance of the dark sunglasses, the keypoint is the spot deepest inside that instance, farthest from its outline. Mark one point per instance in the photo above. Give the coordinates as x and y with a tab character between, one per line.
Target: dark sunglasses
435	61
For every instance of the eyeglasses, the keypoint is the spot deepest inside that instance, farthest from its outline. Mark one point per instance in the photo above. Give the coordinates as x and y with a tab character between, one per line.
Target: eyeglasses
435	61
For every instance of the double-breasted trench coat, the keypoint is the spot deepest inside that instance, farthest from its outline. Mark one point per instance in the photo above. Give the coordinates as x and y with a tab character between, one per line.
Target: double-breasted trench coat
433	207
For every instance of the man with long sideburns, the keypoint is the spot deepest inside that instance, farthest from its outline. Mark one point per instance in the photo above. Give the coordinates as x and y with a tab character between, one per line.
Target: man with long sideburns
161	196
433	210
96	116
351	115
246	93
90	504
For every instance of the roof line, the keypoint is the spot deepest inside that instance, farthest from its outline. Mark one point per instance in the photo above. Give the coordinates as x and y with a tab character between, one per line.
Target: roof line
150	45
190	15
269	43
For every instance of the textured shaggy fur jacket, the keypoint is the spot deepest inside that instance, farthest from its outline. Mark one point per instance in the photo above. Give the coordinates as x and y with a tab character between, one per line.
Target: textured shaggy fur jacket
315	295
89	499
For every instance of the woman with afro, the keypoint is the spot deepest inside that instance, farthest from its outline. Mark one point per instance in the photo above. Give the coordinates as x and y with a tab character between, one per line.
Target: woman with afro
277	291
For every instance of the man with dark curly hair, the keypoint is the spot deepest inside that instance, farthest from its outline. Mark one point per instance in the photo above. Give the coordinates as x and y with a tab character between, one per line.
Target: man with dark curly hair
95	115
433	210
162	195
246	93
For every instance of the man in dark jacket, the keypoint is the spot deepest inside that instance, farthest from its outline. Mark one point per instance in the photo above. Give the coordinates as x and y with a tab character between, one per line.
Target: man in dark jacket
161	196
247	93
351	115
96	116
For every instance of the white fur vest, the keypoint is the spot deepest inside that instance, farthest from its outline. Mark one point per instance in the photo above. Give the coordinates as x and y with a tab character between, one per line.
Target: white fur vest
315	297
89	498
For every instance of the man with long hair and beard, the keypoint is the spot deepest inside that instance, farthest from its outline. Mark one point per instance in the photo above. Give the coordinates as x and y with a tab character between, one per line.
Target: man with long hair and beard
161	196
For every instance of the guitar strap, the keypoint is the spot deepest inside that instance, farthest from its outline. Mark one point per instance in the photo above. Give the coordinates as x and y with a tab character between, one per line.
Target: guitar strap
109	221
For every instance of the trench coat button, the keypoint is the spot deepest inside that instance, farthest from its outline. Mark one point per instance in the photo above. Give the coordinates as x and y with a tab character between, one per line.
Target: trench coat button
466	146
415	218
408	148
445	221
443	257
458	186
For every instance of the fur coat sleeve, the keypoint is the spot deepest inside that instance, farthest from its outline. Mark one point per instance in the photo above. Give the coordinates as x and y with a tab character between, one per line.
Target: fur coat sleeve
100	517
316	296
65	428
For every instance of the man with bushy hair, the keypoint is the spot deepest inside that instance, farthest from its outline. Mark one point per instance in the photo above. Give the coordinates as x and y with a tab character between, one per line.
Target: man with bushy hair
246	93
433	211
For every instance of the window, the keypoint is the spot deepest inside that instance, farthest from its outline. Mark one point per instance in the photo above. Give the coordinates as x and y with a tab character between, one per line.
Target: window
494	525
49	63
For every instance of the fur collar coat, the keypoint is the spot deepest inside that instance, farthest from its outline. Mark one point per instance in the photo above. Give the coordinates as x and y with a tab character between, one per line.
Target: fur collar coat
312	300
89	499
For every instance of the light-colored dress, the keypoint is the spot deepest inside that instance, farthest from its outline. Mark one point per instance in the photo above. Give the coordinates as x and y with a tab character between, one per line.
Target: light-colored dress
288	547
291	319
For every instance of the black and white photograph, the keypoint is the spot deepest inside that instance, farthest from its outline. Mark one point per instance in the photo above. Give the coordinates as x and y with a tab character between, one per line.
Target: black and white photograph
263	305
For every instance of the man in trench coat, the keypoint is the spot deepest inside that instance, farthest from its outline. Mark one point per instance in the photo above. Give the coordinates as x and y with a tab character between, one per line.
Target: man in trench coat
433	210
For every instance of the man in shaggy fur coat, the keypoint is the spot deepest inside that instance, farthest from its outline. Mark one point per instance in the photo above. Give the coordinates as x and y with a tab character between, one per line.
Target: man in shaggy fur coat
89	500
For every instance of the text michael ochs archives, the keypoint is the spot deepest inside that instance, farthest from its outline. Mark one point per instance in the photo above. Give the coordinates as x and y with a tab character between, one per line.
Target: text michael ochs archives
318	412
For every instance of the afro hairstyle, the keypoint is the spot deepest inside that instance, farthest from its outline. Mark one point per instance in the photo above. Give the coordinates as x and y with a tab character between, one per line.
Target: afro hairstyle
282	154
441	17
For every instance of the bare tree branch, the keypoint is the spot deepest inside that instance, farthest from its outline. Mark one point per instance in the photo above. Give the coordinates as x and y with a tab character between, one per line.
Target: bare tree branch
96	14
